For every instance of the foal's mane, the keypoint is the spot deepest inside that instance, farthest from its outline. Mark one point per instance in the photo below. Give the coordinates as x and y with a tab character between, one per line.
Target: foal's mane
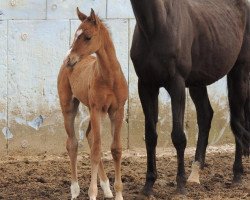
104	28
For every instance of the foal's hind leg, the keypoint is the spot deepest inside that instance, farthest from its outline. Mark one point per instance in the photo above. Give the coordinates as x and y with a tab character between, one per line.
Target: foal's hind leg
204	117
69	110
104	181
116	149
238	86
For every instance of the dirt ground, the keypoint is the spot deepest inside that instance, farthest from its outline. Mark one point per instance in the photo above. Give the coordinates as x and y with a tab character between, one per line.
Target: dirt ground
48	177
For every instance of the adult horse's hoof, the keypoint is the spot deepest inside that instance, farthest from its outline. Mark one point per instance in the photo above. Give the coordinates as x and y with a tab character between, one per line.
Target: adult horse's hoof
181	190
181	183
237	180
147	190
144	197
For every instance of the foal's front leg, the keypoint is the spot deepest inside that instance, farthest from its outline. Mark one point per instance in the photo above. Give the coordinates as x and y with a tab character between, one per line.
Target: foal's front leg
176	89
116	149
95	118
69	110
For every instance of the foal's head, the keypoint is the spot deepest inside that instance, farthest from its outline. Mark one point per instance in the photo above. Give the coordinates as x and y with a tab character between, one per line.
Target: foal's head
87	38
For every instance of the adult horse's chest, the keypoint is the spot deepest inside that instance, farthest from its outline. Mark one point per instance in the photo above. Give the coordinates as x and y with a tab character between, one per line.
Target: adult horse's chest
151	66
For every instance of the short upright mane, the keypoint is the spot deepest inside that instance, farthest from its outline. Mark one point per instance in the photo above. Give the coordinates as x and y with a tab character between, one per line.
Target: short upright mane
106	34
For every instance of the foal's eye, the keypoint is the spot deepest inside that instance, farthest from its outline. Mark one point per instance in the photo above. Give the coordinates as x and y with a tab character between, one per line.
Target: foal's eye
87	38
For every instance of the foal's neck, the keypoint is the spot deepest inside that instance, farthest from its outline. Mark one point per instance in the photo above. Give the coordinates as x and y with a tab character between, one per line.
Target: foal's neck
108	64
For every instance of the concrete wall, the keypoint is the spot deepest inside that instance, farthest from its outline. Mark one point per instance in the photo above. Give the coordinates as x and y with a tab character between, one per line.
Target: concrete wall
34	37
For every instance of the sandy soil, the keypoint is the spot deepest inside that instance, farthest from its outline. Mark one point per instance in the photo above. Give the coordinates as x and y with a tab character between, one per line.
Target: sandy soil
48	177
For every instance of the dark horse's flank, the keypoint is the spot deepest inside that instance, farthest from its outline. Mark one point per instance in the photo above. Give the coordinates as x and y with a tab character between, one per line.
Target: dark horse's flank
192	43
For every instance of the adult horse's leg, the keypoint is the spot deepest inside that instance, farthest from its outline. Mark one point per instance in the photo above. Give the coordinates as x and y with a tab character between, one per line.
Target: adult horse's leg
104	181
204	117
116	149
149	99
238	86
95	119
69	110
176	89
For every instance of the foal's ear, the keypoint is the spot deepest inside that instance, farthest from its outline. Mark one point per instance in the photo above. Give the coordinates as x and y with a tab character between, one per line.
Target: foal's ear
93	17
81	16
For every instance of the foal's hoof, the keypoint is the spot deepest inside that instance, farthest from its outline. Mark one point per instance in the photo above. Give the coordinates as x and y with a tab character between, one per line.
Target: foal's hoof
118	196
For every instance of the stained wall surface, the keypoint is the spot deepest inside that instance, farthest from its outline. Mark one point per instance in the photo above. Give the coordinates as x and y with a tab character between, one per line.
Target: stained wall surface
34	38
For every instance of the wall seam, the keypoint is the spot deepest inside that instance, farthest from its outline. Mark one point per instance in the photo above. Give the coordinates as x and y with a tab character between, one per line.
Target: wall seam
106	9
128	142
69	32
46	17
7	98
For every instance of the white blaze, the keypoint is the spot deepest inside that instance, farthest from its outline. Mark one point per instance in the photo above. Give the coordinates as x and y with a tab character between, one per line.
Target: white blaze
78	33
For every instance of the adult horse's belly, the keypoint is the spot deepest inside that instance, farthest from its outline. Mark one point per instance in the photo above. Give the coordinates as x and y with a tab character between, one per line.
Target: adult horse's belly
218	37
211	60
212	68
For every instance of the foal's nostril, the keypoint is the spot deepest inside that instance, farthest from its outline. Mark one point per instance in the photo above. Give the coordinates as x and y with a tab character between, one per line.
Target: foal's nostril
71	62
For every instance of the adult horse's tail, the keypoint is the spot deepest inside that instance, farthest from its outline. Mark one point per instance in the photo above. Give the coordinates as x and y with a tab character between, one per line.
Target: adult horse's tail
247	108
239	93
247	105
246	136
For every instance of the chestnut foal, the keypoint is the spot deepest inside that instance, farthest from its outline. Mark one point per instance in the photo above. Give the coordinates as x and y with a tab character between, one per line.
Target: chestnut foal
97	82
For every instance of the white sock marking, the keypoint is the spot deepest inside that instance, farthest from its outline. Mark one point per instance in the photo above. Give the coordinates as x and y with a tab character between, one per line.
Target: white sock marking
195	176
106	188
75	190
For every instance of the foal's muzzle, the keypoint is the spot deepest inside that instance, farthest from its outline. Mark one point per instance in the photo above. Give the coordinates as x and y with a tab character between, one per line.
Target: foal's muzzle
71	60
70	63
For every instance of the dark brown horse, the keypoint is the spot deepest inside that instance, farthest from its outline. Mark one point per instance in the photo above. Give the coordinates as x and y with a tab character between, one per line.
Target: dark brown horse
192	43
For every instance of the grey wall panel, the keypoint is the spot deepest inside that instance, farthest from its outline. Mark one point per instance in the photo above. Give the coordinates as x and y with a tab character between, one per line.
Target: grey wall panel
23	9
58	9
36	51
